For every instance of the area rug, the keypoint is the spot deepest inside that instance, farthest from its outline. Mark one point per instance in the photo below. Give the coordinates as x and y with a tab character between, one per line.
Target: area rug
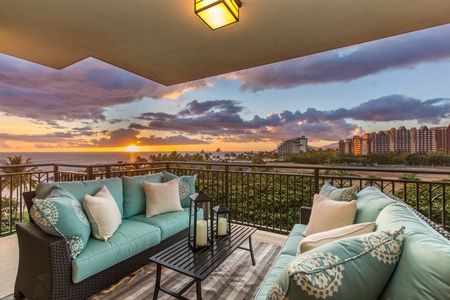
235	278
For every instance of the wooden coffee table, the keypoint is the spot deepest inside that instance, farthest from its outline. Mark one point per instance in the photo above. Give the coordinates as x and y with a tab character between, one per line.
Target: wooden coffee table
199	264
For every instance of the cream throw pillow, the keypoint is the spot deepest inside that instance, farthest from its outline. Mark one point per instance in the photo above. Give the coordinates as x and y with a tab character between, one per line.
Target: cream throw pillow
318	239
329	214
162	197
103	214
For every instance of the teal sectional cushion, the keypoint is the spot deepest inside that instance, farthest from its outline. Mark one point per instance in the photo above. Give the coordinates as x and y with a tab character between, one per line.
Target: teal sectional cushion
62	215
186	186
169	223
80	188
342	194
369	202
272	276
130	239
343	269
423	272
295	237
134	194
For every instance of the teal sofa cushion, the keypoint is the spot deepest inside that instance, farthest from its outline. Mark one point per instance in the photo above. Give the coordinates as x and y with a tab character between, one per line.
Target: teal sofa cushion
369	202
344	269
62	215
81	188
130	239
186	186
295	237
134	194
423	272
169	223
339	194
277	268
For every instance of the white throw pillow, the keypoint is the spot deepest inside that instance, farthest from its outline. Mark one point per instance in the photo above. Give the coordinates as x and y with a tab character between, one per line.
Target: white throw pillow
318	239
162	197
103	214
329	214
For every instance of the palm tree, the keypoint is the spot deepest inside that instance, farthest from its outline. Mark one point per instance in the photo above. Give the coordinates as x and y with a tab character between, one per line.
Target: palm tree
16	181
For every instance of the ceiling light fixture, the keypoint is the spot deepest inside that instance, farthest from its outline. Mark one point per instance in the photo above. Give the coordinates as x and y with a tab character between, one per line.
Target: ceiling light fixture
218	13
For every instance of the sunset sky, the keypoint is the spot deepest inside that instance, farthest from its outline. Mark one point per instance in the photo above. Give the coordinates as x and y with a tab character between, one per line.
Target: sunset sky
93	106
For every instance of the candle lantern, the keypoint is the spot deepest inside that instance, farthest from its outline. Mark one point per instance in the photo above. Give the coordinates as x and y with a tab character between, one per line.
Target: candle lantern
222	219
200	221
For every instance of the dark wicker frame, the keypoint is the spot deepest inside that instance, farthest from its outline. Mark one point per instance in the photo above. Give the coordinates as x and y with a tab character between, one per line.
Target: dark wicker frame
45	269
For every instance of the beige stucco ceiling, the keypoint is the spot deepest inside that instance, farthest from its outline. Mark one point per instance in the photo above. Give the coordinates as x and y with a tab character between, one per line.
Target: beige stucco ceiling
166	42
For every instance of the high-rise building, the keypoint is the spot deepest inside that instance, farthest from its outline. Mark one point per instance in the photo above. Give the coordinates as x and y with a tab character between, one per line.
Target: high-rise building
381	142
293	146
366	144
400	140
441	139
422	140
356	145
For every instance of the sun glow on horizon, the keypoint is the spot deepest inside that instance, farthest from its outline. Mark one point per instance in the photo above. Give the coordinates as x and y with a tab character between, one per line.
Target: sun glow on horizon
132	148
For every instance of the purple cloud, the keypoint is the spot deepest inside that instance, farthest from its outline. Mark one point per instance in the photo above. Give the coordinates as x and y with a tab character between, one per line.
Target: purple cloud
397	52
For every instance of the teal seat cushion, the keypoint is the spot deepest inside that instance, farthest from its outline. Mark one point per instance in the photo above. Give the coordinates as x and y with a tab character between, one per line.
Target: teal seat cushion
339	194
130	239
277	268
423	272
369	202
81	188
295	237
169	223
134	194
60	214
352	268
186	186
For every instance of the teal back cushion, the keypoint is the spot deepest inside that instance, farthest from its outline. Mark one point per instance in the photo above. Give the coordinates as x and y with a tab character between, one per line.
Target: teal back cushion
80	188
186	186
369	202
339	194
423	272
134	194
61	214
353	268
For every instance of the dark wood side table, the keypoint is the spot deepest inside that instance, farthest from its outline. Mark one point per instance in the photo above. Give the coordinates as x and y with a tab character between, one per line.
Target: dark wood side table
199	264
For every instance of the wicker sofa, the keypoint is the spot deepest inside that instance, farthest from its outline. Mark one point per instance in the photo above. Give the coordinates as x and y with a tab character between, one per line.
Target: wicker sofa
421	272
48	271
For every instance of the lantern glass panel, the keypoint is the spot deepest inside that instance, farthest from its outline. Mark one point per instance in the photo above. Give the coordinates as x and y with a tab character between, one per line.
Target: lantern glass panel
222	218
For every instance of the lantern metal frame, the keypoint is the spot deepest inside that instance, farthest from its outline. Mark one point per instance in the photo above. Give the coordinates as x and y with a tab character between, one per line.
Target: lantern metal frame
220	212
200	202
209	11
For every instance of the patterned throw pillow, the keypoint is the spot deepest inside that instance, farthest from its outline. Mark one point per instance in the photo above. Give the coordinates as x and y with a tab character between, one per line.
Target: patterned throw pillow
352	268
186	186
343	194
61	214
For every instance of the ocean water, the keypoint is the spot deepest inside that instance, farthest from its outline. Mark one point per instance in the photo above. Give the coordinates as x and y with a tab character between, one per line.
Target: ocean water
86	158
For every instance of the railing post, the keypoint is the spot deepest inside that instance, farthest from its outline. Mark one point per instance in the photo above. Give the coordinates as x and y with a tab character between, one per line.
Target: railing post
108	171
90	173
56	173
316	180
167	166
227	186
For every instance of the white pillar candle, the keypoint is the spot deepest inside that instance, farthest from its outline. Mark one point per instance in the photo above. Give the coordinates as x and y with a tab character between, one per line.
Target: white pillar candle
222	226
202	233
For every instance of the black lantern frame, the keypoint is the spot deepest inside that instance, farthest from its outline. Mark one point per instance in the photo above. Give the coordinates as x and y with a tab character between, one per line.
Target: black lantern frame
222	221
200	221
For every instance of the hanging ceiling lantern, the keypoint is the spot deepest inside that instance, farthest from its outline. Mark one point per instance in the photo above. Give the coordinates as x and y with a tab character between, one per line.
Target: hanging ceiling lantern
218	13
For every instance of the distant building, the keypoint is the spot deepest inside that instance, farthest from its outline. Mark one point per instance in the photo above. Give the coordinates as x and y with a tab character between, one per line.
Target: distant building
422	141
293	146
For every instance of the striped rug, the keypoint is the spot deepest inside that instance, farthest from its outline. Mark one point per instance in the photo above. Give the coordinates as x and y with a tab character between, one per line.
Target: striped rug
235	278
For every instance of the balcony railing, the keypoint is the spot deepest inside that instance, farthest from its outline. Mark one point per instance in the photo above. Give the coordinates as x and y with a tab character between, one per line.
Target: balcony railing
268	196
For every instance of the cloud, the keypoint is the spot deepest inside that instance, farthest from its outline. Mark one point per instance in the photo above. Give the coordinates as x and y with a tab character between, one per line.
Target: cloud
83	91
403	51
220	119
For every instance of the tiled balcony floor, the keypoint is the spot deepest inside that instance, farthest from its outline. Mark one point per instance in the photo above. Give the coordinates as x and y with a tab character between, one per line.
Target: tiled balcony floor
9	257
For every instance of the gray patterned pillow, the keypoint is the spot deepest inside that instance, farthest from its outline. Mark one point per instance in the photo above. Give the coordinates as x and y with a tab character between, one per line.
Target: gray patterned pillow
339	194
343	269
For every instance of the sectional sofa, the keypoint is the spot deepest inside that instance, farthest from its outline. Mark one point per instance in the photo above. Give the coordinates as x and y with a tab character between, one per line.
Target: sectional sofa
403	258
60	258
